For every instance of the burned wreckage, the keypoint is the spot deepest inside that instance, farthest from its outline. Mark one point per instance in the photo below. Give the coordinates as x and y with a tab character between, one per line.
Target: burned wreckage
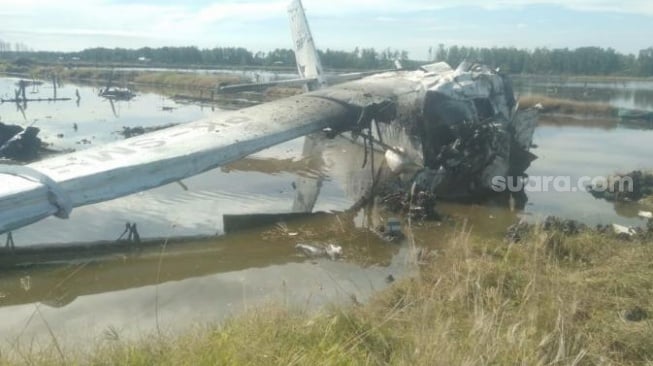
461	129
444	132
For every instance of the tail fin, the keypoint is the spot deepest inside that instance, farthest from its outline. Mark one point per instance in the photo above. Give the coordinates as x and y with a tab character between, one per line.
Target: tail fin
308	61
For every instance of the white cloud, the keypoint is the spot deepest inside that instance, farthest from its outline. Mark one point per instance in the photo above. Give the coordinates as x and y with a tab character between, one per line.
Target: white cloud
347	6
53	24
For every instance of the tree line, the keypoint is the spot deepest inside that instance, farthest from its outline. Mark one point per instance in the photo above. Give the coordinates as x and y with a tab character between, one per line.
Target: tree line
579	61
363	58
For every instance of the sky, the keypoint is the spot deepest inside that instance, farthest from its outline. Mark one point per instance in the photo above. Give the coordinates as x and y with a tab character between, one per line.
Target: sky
261	25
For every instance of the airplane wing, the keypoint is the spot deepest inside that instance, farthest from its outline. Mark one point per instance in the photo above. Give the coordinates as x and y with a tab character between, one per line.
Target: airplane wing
54	186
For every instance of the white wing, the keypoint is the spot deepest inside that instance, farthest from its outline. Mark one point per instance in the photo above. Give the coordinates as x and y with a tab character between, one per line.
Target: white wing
106	172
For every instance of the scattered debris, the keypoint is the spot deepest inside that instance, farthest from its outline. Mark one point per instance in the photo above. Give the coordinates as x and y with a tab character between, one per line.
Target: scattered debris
310	251
517	232
391	231
330	250
19	144
419	206
645	214
333	251
629	187
128	132
624	231
114	93
565	226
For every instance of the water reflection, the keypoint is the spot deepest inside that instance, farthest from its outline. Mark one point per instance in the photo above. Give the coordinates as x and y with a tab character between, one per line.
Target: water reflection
216	275
96	118
208	271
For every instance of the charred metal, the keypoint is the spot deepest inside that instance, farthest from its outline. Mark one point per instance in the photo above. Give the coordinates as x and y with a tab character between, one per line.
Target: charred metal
464	127
19	144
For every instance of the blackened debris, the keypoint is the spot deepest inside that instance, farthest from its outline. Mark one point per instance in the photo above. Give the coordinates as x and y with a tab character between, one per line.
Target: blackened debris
117	93
565	226
128	132
517	232
629	187
19	144
391	231
419	206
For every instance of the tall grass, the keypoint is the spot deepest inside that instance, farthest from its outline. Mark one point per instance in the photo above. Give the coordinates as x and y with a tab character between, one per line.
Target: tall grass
189	80
568	107
552	299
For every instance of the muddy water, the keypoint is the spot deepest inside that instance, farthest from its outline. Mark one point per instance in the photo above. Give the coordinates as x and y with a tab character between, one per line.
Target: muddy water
217	271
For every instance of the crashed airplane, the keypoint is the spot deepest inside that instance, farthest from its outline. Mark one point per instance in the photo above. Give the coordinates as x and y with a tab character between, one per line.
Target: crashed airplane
464	127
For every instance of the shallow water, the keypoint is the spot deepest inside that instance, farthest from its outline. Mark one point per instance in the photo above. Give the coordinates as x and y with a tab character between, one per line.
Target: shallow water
208	278
632	94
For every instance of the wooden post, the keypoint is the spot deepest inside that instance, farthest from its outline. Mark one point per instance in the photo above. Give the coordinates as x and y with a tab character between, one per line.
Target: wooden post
21	85
54	85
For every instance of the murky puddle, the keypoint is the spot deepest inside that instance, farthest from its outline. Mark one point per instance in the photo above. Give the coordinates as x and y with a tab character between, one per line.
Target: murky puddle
216	270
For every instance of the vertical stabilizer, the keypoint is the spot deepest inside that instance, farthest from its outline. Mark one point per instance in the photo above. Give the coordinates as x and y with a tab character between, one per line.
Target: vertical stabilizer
308	61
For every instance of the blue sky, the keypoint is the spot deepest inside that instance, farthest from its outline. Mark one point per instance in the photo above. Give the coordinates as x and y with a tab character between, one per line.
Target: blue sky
413	25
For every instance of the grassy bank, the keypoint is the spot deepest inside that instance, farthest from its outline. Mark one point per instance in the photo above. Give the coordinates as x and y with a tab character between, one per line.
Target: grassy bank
196	83
568	107
550	299
155	78
581	78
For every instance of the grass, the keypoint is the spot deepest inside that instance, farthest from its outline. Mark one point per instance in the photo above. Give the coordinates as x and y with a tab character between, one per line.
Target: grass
582	78
568	107
551	299
200	82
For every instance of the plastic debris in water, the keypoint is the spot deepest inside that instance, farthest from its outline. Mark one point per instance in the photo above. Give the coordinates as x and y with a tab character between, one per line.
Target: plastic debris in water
645	214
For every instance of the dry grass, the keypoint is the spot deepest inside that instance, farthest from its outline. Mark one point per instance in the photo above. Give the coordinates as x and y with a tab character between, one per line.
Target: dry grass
184	79
568	107
187	80
550	300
